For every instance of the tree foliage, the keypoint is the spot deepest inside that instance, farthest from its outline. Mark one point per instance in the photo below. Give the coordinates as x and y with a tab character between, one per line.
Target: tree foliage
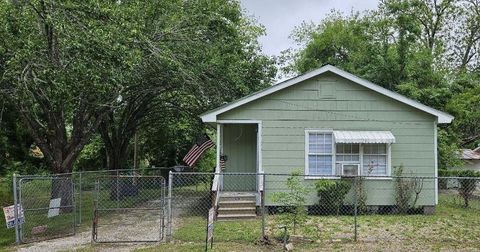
62	67
79	70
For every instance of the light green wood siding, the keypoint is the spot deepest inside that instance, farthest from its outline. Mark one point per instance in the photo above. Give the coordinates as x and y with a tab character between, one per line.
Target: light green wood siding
332	102
240	146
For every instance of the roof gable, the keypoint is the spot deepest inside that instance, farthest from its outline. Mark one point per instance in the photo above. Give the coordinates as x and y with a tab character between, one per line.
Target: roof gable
211	116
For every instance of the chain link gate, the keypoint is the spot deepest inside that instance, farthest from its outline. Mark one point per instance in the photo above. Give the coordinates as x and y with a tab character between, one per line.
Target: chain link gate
48	205
129	208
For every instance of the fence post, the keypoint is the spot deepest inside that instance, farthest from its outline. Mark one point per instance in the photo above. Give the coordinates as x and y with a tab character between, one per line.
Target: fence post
74	201
15	208
355	206
95	210
118	190
162	200
80	199
263	205
169	208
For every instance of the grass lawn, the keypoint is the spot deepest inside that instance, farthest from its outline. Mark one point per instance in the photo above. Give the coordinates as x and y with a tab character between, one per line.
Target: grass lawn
451	228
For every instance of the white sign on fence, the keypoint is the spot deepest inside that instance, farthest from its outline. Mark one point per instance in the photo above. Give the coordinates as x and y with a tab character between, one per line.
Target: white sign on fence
54	208
9	213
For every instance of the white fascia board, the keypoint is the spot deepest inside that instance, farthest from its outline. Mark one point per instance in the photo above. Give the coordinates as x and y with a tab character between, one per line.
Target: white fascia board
442	117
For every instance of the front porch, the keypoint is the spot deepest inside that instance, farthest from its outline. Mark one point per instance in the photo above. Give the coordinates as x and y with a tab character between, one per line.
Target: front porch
237	186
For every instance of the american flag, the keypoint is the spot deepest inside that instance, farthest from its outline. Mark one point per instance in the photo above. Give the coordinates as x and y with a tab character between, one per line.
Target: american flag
203	143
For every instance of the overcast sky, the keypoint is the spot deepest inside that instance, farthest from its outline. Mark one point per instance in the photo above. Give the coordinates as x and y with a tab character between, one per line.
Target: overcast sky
281	16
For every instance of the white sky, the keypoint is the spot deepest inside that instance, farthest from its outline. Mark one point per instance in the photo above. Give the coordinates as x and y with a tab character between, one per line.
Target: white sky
281	16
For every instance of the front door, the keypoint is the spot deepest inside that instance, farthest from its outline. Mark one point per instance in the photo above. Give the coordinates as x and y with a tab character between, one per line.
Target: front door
240	148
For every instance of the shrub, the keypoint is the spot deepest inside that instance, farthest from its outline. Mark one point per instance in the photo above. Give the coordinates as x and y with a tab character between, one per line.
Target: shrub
332	194
404	189
292	202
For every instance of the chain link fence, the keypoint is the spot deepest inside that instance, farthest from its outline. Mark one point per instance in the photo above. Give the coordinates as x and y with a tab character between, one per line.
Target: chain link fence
47	205
132	206
35	194
305	209
129	208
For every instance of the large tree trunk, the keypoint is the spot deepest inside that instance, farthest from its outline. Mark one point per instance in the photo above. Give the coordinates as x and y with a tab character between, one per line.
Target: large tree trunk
116	150
63	188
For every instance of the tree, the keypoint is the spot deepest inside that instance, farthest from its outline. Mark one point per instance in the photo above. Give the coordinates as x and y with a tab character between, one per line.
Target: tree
292	202
465	107
204	54
63	65
466	40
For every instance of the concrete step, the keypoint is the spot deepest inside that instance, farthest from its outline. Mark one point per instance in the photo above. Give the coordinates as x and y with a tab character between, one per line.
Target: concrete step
237	196
221	217
236	210
236	203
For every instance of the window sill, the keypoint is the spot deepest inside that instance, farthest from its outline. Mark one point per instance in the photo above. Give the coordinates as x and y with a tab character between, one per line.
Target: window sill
339	177
311	177
378	178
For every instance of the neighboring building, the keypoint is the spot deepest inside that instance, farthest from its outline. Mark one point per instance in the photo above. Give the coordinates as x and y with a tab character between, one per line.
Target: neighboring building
471	159
328	122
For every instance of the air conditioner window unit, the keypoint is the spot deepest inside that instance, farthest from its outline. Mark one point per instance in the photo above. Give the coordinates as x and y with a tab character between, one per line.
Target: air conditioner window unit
350	169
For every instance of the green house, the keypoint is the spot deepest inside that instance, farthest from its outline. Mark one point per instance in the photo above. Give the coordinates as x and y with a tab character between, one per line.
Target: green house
327	123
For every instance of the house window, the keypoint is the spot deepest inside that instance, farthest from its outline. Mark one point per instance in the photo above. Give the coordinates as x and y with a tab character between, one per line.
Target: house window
348	152
319	153
375	158
325	157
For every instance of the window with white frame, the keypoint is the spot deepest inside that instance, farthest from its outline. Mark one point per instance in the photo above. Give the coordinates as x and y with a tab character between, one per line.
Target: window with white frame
322	153
319	153
375	159
348	152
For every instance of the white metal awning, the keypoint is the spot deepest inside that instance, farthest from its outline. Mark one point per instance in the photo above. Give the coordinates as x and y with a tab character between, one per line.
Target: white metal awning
364	137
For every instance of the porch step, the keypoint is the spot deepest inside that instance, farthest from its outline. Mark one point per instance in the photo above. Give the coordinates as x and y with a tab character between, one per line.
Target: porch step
226	217
236	205
236	210
237	196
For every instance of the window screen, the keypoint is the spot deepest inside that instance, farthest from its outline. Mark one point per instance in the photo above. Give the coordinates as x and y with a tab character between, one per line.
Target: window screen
320	153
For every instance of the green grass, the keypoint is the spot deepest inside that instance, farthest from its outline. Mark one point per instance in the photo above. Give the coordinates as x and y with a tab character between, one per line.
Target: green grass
7	236
217	246
194	228
451	227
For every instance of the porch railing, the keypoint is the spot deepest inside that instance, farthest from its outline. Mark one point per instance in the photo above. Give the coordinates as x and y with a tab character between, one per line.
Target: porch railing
216	185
